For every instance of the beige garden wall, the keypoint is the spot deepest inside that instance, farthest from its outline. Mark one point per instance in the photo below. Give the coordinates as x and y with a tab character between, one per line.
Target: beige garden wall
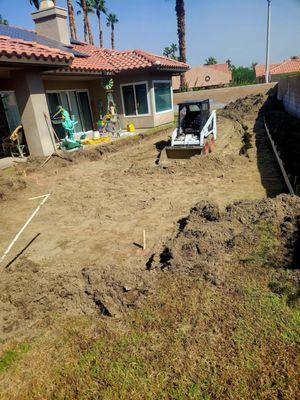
289	93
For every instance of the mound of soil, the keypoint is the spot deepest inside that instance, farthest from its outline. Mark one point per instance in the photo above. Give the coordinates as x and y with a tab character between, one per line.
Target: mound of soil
10	183
265	232
243	107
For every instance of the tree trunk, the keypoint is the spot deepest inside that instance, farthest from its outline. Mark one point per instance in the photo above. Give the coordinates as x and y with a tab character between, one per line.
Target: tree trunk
113	36
180	12
87	22
72	24
85	31
100	29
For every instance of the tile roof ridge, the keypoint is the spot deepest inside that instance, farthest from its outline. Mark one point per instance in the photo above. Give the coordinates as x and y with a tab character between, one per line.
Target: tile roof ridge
144	54
284	63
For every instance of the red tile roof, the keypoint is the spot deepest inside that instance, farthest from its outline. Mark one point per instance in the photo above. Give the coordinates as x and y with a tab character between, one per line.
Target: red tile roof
97	60
286	67
119	61
205	76
220	67
223	68
11	47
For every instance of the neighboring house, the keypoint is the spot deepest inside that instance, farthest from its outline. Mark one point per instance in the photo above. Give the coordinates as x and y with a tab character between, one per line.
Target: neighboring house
41	69
278	70
205	76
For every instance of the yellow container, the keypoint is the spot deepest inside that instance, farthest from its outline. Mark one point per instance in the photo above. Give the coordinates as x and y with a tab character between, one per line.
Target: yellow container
104	139
130	128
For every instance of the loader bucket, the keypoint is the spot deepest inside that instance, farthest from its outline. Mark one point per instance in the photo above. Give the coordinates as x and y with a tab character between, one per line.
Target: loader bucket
179	153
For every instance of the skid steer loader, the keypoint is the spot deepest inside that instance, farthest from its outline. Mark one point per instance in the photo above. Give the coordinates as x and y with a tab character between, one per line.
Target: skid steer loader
196	131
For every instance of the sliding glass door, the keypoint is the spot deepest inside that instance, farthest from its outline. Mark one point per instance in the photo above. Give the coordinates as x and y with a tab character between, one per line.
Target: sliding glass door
78	106
85	110
74	111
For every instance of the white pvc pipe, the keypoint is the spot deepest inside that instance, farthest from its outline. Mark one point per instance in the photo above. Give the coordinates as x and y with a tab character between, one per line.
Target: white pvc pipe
45	198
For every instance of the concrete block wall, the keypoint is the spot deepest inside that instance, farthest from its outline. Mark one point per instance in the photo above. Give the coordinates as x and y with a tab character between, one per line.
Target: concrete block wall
289	93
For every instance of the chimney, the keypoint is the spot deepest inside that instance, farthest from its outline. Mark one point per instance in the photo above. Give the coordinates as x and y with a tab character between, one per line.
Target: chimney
51	21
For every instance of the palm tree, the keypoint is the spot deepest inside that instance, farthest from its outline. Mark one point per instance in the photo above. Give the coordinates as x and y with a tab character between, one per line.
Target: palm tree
253	65
111	21
171	51
167	52
100	7
87	7
3	21
229	63
211	61
180	13
36	3
72	24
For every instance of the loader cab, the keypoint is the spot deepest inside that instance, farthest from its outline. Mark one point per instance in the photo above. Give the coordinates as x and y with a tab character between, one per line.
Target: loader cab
193	115
196	131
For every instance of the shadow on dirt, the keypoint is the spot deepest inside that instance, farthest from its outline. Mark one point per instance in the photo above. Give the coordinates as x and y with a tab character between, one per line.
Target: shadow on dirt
271	176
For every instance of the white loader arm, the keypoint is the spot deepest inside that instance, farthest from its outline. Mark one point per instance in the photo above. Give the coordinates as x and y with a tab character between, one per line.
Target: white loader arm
209	128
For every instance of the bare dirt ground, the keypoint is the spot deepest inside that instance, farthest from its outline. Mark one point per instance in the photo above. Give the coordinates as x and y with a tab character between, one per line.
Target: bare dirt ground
86	256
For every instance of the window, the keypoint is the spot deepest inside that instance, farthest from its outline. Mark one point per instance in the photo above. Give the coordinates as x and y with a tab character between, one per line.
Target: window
78	106
135	99
11	110
163	96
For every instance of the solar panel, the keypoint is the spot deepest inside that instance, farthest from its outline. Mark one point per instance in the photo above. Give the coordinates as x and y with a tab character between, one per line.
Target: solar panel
32	36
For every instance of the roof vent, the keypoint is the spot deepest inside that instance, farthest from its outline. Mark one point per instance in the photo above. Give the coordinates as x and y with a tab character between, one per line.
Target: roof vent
45	4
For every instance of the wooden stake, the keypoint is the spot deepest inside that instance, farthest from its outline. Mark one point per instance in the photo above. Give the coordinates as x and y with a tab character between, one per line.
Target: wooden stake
144	239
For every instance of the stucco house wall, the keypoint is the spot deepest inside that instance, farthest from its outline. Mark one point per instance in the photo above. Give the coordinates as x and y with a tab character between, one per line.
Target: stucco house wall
97	94
154	118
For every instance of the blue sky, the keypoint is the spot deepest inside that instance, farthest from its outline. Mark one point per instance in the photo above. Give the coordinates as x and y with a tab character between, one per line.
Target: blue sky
234	29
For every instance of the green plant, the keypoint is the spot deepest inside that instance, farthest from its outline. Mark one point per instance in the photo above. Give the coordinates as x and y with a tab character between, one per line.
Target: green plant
12	355
171	51
211	61
243	75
